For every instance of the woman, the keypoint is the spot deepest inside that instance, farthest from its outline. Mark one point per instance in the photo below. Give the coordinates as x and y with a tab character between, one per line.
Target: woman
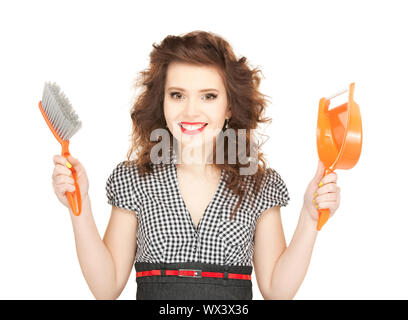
191	213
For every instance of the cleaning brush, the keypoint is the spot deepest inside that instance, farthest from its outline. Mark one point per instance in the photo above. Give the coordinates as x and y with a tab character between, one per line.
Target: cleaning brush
63	123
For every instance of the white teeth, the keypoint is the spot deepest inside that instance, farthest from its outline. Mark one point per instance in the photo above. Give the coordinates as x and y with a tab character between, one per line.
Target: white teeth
192	127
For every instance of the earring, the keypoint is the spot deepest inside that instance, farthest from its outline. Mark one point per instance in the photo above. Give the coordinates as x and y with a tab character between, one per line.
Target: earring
227	124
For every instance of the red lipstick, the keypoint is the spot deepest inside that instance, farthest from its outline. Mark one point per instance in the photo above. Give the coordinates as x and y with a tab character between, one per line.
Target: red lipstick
191	132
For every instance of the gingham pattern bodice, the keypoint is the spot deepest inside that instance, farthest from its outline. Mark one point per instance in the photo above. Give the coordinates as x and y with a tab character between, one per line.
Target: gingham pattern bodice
166	232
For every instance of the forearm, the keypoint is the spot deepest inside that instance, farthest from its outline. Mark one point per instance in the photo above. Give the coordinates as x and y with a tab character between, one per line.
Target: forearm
291	267
96	261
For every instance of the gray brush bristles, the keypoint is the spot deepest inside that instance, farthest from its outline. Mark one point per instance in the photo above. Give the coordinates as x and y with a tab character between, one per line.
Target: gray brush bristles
59	111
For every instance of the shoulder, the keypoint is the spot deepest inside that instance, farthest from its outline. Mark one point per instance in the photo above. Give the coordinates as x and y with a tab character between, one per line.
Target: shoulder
123	188
273	191
124	174
272	179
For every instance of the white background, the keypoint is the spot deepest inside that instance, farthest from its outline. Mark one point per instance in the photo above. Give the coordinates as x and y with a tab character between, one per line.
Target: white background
306	50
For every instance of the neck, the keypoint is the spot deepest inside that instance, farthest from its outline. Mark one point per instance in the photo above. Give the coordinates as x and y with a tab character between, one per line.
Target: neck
195	159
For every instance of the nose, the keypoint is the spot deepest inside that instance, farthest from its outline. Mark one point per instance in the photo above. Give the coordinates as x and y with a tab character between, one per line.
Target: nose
192	109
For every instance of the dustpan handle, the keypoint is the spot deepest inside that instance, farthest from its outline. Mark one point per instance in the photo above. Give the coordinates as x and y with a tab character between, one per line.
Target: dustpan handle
324	213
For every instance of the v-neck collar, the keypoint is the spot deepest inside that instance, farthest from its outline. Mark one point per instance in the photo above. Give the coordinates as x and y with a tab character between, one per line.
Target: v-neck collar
175	183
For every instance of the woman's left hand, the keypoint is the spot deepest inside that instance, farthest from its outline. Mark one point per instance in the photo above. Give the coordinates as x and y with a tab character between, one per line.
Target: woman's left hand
325	196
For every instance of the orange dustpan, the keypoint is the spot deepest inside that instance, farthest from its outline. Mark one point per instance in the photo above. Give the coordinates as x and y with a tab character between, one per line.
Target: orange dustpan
339	138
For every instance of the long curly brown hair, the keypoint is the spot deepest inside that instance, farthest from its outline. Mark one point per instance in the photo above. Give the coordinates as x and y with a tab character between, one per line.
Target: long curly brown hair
246	102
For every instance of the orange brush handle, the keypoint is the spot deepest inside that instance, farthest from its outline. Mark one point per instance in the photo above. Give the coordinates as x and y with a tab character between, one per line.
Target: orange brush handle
74	198
324	214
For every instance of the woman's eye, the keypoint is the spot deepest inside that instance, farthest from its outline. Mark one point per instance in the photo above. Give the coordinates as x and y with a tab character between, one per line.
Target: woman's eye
177	94
210	96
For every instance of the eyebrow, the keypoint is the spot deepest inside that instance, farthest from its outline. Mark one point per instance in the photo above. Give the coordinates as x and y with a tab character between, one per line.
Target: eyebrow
202	90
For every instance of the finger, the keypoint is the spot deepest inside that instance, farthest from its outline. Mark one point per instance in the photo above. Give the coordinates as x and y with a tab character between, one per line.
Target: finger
64	180
329	178
61	170
55	158
62	189
329	201
74	161
58	159
327	197
327	188
326	205
69	161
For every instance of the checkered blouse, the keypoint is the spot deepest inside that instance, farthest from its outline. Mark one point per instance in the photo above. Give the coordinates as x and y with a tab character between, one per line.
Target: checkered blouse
166	232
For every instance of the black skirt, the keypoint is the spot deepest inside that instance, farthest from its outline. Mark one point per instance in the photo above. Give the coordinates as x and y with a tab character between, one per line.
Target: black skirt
176	287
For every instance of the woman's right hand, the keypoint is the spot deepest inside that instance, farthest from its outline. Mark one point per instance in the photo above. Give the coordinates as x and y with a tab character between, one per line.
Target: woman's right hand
62	180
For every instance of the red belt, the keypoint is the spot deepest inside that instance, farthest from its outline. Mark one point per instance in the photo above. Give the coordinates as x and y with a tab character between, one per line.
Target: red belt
193	273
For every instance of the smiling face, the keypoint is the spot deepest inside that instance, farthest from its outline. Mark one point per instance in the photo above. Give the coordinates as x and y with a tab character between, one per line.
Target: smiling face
195	103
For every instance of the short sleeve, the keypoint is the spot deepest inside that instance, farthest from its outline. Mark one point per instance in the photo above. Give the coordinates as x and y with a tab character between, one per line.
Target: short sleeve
273	193
122	190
